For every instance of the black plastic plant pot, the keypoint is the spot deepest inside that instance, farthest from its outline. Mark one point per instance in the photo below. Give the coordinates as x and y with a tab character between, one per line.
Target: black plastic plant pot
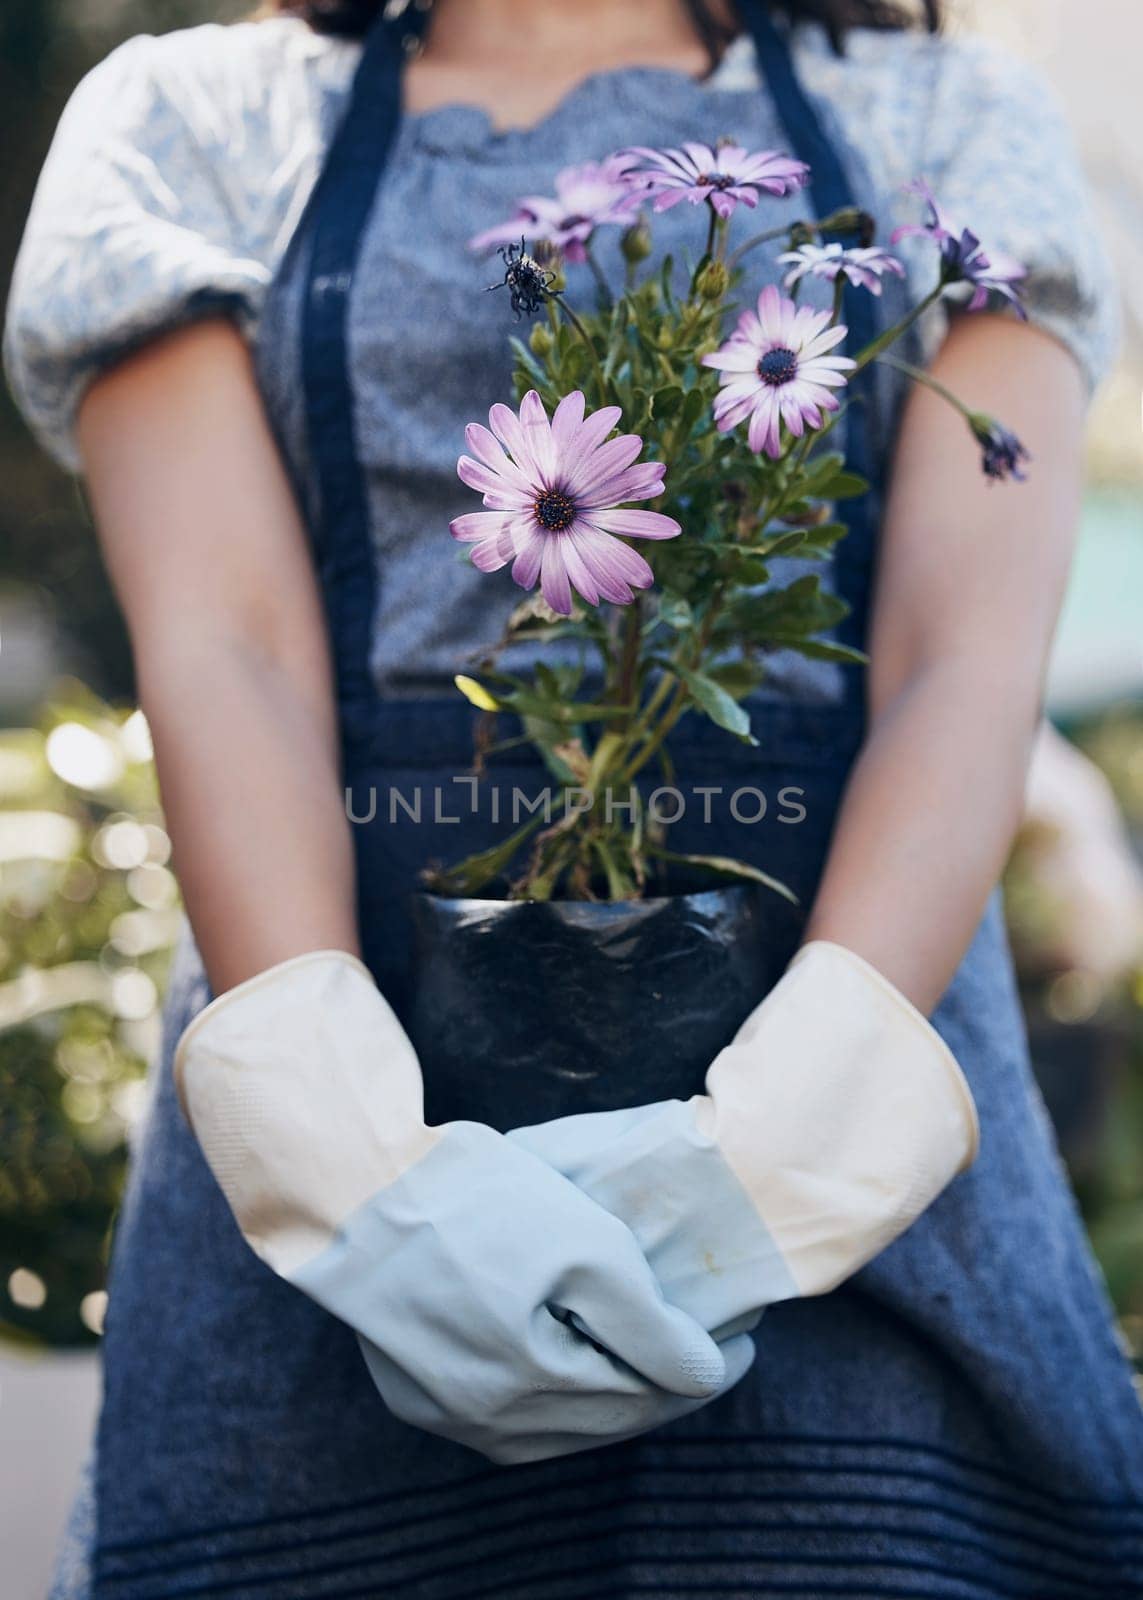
527	1010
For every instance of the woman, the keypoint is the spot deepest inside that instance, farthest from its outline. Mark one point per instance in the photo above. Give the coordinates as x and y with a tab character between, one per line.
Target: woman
957	1420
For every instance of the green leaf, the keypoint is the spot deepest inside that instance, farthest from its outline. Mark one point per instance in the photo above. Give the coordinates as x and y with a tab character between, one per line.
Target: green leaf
719	706
676	612
474	873
823	537
829	650
620	885
847	486
782	616
725	866
665	402
782	544
738	678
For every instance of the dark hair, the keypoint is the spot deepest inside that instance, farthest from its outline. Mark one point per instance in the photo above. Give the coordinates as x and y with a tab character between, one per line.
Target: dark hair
353	17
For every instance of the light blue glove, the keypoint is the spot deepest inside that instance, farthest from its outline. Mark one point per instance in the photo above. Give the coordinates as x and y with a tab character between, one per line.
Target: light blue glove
833	1119
496	1304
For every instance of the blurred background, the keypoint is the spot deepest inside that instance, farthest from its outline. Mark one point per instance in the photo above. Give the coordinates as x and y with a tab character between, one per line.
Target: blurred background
88	904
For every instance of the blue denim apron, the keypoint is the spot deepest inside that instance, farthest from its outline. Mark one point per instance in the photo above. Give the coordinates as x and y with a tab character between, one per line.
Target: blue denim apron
957	1421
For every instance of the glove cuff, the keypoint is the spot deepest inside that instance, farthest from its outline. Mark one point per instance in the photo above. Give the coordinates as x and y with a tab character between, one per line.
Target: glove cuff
269	979
842	1113
926	1035
305	1095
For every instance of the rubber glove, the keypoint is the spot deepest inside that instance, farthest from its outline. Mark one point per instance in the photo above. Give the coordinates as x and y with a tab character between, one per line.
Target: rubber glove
828	1125
498	1305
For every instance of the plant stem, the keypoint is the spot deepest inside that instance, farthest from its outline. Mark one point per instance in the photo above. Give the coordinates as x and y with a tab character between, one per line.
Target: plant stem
601	398
651	748
752	244
874	351
629	661
605	298
919	375
712	231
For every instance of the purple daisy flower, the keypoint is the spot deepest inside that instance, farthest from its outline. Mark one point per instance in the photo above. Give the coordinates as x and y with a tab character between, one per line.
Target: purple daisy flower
864	267
1001	452
587	197
777	368
553	492
963	257
726	174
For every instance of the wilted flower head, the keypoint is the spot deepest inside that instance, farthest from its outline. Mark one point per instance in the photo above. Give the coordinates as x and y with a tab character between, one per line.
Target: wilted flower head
726	174
587	197
553	492
777	368
1001	452
529	284
963	257
865	266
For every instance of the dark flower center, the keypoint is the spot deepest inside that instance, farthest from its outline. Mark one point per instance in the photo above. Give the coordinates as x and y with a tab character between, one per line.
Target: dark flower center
778	366
715	180
555	511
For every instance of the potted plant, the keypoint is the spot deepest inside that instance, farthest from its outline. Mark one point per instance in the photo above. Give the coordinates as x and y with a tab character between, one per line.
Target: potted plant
668	449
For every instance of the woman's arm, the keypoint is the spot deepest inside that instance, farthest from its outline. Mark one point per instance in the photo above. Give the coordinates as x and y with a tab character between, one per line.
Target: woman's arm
209	558
970	583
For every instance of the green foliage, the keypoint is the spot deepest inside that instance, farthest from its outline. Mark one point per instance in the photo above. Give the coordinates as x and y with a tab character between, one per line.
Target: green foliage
724	597
88	910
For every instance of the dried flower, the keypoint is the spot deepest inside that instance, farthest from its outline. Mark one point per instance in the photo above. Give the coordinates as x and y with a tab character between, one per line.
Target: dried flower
1001	452
727	175
529	284
553	492
587	197
777	368
963	257
864	267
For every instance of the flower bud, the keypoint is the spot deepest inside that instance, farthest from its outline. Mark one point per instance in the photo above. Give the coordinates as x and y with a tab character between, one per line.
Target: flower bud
541	340
636	243
713	281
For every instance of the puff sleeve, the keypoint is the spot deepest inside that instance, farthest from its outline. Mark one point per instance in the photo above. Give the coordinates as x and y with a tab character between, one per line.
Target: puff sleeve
1002	161
131	233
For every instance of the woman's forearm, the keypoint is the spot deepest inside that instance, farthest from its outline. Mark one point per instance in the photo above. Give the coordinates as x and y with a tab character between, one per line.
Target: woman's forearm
970	578
926	826
251	793
212	564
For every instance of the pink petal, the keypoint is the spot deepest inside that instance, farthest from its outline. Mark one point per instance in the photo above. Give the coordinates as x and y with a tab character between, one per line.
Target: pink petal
490	453
669	198
764	434
538	433
635	524
587	475
595	428
555	585
567	422
614	565
734	357
505	424
579	572
723	202
530	553
499	493
643	481
474	525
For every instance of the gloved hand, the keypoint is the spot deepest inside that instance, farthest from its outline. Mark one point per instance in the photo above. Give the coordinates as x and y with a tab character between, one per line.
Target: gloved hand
496	1304
829	1124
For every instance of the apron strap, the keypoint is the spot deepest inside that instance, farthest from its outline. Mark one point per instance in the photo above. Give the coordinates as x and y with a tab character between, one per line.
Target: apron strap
337	215
831	190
